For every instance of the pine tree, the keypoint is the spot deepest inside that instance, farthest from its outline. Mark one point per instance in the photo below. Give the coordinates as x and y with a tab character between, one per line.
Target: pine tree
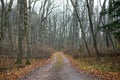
114	12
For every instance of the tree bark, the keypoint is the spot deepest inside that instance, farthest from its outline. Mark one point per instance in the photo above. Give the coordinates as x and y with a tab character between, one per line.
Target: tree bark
20	33
81	28
92	31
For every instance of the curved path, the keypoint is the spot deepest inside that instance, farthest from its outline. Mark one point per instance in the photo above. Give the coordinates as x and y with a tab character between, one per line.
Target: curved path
58	69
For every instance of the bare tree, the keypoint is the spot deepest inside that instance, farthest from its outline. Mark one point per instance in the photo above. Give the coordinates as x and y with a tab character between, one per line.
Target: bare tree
20	33
81	27
5	22
92	30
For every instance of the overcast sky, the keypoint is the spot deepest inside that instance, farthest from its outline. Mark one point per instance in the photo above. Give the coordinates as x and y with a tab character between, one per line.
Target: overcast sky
96	3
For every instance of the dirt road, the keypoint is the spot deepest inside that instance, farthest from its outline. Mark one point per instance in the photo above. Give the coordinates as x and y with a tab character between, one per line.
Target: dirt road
58	69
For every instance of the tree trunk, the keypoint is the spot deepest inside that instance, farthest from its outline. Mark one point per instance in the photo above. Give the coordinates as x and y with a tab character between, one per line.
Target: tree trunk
2	25
81	28
27	31
92	31
20	33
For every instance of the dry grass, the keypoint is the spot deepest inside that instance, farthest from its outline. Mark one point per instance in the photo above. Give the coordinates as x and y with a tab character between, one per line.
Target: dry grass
108	68
11	71
17	71
40	55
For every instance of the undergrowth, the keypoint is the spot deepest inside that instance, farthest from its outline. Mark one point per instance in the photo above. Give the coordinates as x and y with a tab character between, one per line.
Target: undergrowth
108	68
17	71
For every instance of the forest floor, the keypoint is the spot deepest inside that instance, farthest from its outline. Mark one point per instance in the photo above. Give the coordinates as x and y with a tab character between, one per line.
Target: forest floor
11	71
106	68
62	67
58	69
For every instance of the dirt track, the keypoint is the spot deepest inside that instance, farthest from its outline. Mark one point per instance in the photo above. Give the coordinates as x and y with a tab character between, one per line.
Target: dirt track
58	69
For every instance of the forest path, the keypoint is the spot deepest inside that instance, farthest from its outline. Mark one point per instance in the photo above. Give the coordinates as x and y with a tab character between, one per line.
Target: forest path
59	69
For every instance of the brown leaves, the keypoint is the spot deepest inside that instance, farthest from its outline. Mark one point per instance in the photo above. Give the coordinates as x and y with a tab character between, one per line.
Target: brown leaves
21	70
102	70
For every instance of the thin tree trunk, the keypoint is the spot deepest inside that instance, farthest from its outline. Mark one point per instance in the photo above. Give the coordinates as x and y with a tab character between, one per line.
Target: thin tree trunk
81	29
92	31
2	25
8	26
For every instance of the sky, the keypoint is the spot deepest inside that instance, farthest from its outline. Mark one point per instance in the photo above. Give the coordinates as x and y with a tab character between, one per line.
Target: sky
37	6
96	3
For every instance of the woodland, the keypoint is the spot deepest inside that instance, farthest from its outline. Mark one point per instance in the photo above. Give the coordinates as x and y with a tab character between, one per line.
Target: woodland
35	32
